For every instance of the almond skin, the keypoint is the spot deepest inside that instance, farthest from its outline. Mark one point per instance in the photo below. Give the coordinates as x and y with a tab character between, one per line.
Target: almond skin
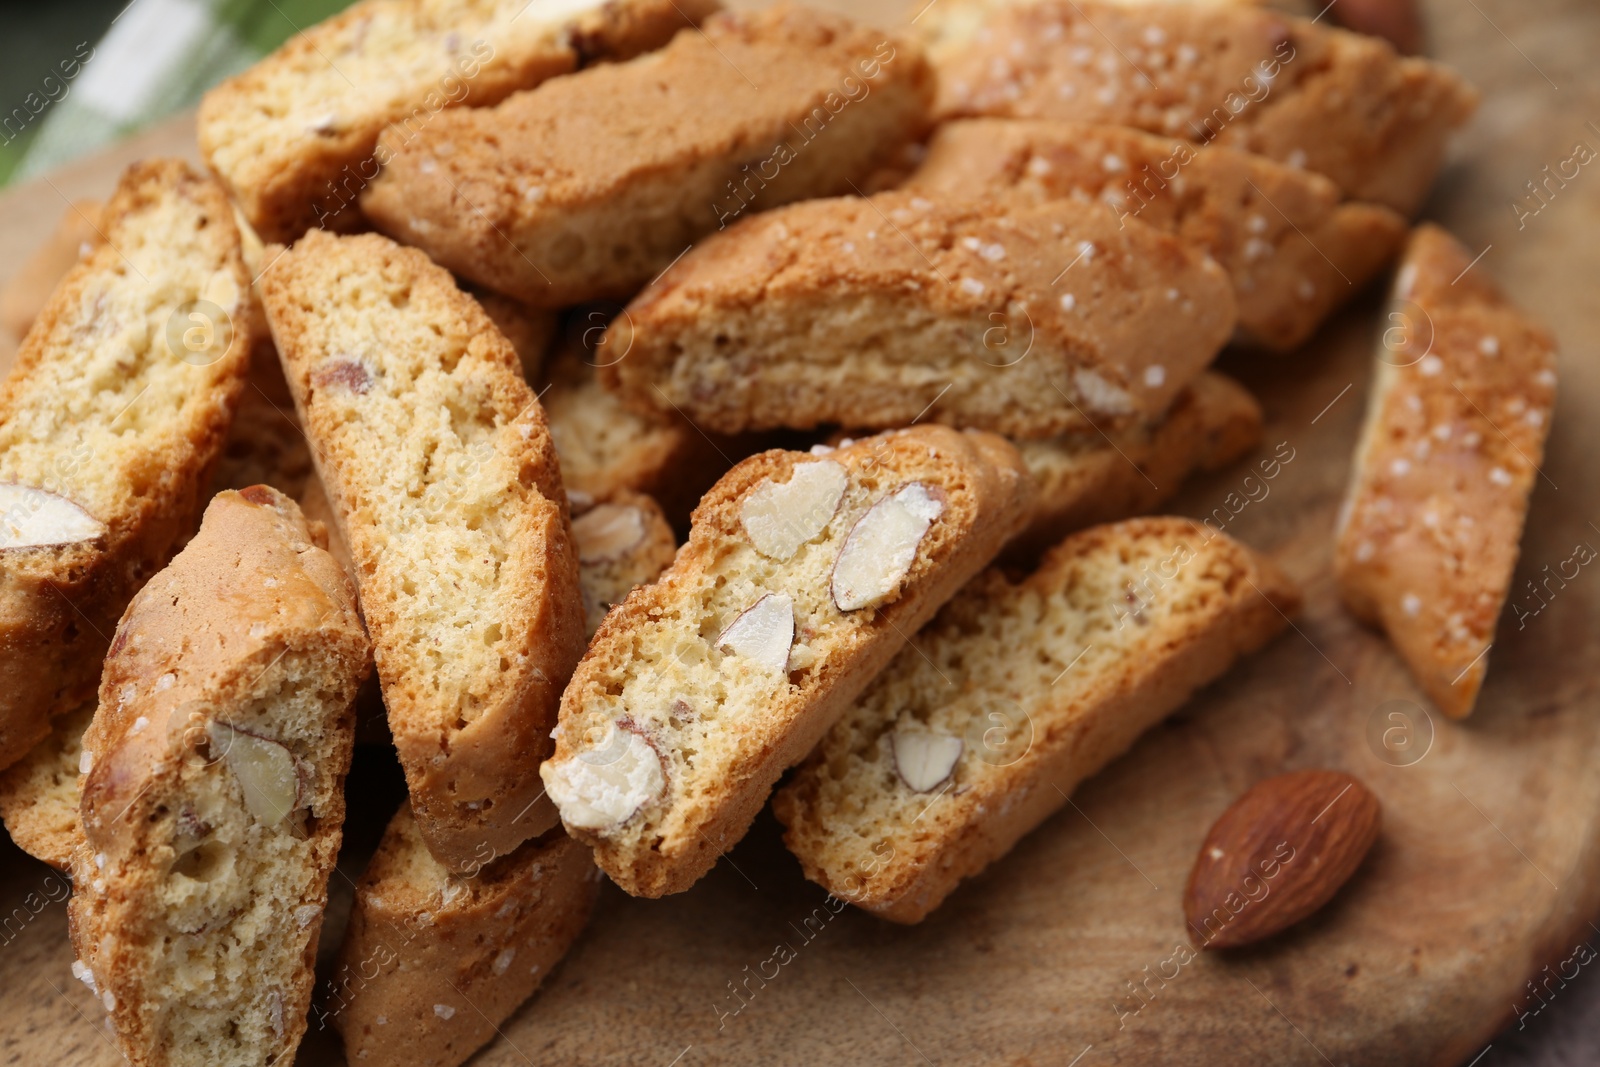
1278	854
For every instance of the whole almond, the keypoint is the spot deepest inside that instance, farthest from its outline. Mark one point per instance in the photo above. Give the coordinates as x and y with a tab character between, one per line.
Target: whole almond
1277	855
1397	21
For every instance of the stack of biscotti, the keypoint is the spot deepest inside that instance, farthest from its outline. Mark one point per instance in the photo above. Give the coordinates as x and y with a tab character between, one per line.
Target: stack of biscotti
588	186
213	794
294	137
924	784
433	961
110	422
435	456
1462	393
1295	90
802	576
1292	249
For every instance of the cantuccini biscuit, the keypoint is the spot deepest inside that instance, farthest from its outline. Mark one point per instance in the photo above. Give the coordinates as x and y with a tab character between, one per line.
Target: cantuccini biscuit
1087	478
110	421
1292	249
435	455
1298	91
1026	320
590	185
622	542
294	136
922	784
433	961
213	795
1462	393
39	793
802	575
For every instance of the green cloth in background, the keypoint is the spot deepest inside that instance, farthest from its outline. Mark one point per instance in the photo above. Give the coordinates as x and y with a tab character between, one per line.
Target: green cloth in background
80	76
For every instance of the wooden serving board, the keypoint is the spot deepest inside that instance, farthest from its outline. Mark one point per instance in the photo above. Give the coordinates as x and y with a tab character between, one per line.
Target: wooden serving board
1487	869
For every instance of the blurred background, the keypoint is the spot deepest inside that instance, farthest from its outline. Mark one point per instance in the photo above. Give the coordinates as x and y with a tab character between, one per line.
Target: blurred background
83	73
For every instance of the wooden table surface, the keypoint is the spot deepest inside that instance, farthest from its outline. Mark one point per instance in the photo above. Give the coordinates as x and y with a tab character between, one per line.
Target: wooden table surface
1487	870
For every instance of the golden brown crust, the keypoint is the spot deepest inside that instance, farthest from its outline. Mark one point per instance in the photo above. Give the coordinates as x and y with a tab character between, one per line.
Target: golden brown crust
1461	401
1088	478
1027	320
1292	250
432	964
251	629
293	136
590	185
95	365
647	667
1169	604
1301	92
435	454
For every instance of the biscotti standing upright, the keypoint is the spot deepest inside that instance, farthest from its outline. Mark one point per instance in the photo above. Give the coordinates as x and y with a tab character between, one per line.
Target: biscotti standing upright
922	784
213	796
1026	320
294	136
433	961
590	185
1298	91
1462	393
801	577
1292	249
110	421
435	455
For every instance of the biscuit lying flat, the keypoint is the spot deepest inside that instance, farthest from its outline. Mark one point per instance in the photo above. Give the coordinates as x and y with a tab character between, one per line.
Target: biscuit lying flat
39	793
213	798
589	186
1026	320
1461	399
453	956
1293	251
801	577
434	453
622	542
118	404
1084	478
293	136
921	785
1337	103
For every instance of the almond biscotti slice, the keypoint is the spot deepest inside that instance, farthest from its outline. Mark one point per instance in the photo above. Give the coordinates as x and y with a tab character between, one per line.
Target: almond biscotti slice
110	421
590	185
294	136
802	576
1292	249
39	793
434	453
1298	91
1462	393
1026	320
213	796
432	963
922	784
622	542
1087	478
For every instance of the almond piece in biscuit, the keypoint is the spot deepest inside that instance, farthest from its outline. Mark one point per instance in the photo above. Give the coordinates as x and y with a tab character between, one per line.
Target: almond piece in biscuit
1462	393
673	731
435	455
922	784
432	963
1087	478
116	409
590	185
294	136
1297	91
213	791
1292	249
1026	320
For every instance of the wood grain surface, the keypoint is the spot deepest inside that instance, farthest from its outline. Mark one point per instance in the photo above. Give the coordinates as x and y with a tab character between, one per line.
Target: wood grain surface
1487	869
